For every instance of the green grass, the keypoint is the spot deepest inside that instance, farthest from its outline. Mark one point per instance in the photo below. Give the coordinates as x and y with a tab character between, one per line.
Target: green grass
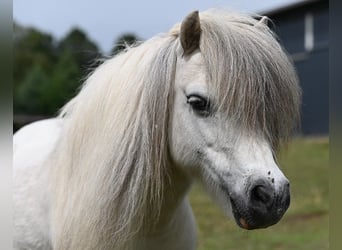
304	226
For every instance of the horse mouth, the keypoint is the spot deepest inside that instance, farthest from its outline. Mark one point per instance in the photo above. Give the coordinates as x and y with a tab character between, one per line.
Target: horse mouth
248	219
243	219
240	215
240	218
240	212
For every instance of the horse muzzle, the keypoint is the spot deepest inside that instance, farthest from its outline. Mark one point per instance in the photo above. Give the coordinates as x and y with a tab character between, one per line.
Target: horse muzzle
263	206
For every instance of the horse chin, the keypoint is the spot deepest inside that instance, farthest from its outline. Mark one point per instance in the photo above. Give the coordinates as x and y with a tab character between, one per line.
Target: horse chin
241	217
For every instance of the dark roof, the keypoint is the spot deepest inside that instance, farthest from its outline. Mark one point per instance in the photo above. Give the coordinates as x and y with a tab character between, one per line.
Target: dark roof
289	7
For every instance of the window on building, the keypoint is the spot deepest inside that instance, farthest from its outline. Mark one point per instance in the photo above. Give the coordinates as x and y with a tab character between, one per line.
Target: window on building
321	28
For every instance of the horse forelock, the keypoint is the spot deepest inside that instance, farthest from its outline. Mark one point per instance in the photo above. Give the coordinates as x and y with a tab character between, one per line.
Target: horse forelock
251	75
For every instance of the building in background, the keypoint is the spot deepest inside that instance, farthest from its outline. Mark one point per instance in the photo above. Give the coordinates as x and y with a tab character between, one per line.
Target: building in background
303	29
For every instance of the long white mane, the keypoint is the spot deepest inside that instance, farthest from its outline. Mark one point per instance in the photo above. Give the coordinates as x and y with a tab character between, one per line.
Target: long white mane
110	165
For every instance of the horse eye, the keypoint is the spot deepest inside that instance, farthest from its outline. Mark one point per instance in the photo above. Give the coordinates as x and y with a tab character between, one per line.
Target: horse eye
199	104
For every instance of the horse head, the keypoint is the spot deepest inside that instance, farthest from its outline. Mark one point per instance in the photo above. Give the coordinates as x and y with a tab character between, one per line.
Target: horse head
228	114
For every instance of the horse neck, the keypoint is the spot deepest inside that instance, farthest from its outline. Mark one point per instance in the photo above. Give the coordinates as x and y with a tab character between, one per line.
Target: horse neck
175	228
174	195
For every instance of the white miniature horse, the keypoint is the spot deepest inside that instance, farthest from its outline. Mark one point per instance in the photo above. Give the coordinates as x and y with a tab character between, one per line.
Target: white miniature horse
210	100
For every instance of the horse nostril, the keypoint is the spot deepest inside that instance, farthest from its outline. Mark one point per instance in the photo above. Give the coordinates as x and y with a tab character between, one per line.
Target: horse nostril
262	195
259	193
285	200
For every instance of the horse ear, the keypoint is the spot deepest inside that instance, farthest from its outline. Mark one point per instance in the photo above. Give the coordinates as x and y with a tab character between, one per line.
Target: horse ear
264	20
190	33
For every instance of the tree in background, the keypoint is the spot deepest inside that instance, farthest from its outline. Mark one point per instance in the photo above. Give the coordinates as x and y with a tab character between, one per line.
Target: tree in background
66	79
123	41
29	94
83	50
47	73
32	47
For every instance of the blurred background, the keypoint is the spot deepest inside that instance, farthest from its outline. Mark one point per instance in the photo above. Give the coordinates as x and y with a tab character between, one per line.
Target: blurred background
57	43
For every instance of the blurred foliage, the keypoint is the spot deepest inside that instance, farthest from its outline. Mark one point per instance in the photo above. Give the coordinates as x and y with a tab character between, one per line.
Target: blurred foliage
30	92
48	72
124	41
80	47
31	47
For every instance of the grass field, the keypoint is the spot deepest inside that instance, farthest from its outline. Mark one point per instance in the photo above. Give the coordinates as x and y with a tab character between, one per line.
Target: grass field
305	226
